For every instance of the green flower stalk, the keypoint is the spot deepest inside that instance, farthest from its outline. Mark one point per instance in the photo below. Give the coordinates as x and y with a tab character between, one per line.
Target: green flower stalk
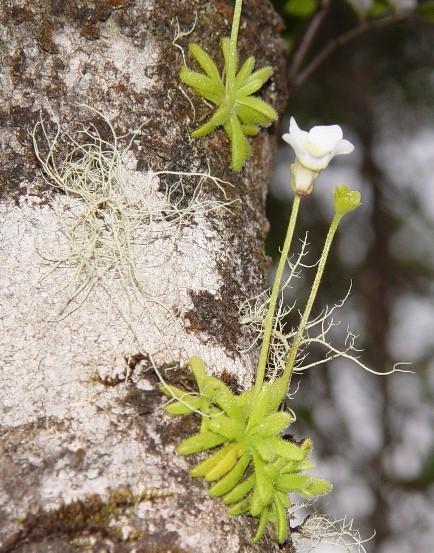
268	327
345	200
239	112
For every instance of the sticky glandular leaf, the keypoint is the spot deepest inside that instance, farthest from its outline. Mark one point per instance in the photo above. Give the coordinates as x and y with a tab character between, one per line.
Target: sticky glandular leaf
260	406
187	406
228	482
224	465
206	62
272	425
199	442
205	466
240	491
262	525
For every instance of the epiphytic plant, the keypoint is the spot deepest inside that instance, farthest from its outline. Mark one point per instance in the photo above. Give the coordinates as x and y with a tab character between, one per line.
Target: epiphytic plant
237	111
255	467
248	428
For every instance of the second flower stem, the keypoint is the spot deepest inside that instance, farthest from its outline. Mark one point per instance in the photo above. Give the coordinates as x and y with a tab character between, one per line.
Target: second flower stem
268	328
292	356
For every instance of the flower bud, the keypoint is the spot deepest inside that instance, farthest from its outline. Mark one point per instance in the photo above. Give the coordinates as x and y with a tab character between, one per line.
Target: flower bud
346	200
302	179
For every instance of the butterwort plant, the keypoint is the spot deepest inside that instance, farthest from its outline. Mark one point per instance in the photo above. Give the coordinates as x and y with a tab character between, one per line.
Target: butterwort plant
237	110
251	464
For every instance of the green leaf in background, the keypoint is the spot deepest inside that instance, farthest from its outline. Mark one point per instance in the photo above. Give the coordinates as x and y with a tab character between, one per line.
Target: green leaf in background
426	10
300	8
379	7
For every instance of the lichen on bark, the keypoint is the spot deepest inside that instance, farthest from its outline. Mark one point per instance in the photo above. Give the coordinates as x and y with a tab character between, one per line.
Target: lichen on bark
67	439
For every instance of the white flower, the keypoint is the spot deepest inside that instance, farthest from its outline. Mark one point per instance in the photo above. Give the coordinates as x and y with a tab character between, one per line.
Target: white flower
316	148
313	150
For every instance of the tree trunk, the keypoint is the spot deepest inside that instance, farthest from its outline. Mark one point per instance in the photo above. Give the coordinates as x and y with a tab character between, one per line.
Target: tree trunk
87	455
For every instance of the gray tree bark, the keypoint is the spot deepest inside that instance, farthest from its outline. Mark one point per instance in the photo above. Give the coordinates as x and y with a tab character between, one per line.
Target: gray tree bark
87	458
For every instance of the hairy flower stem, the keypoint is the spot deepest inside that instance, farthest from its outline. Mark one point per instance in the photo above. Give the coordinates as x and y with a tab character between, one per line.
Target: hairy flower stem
268	329
232	66
292	355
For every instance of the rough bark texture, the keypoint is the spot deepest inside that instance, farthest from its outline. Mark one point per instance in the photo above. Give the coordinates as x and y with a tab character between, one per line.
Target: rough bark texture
87	460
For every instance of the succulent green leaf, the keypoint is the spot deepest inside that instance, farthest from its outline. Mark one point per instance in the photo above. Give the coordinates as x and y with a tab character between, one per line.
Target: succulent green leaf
272	425
263	112
251	117
284	498
205	61
297	466
293	482
244	402
287	450
228	482
240	491
223	466
307	445
187	406
265	450
262	525
229	427
263	484
255	82
204	130
198	369
240	508
201	84
209	413
199	442
173	391
278	389
201	469
262	403
256	503
245	71
250	130
262	75
217	392
282	527
240	146
316	487
253	429
239	150
273	469
221	115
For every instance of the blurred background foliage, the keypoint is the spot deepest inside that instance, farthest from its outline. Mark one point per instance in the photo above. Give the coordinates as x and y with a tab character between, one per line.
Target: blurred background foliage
369	66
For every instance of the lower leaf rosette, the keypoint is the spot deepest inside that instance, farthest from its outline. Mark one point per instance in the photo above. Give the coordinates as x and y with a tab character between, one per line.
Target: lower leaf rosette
254	468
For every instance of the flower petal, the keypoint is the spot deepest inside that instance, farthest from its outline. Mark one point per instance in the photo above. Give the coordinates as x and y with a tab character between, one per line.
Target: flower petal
315	149
324	138
296	132
295	144
344	147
